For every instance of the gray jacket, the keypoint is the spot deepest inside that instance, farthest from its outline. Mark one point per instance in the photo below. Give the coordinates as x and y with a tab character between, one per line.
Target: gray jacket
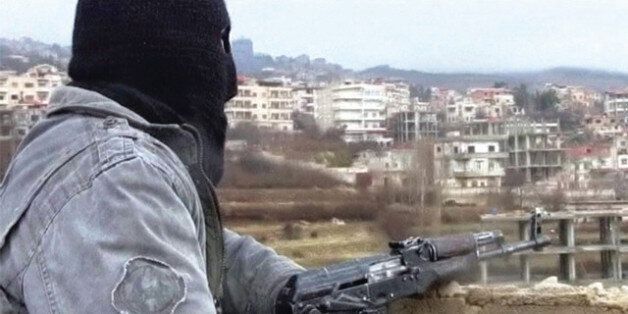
99	216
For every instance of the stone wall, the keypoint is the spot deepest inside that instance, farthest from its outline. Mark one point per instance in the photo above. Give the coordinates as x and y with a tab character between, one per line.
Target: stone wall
549	297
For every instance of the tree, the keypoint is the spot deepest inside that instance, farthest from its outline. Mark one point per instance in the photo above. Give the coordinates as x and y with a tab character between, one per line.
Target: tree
424	94
522	96
513	182
546	100
500	84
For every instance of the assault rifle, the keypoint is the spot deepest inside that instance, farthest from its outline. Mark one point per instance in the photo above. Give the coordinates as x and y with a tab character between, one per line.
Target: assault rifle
413	266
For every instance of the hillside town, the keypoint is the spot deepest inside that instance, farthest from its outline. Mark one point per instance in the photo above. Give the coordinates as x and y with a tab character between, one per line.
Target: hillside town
483	141
476	145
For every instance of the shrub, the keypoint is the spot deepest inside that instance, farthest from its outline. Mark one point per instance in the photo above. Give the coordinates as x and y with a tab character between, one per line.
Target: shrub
251	171
292	231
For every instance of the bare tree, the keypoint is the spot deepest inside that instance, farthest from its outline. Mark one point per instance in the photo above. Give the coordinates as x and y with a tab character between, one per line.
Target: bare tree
513	183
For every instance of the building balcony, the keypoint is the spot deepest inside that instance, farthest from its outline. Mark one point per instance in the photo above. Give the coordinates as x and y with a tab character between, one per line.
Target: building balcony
365	130
490	155
537	148
478	173
536	165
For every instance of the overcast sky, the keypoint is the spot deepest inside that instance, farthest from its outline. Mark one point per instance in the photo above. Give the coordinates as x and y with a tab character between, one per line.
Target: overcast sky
456	35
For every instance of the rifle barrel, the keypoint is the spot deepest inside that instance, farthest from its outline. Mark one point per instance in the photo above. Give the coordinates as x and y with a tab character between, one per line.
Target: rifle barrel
507	249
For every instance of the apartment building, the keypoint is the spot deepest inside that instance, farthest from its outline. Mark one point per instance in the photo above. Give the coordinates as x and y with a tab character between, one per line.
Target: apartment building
491	95
360	109
306	99
397	97
441	97
494	102
264	104
584	164
467	167
574	96
390	167
604	125
324	112
462	111
616	102
32	88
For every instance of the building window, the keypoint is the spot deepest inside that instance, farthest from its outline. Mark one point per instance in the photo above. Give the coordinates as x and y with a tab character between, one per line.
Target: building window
491	148
29	85
471	149
624	161
42	96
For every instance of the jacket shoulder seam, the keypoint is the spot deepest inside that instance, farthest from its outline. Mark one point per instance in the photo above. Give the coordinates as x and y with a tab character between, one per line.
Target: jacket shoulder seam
86	185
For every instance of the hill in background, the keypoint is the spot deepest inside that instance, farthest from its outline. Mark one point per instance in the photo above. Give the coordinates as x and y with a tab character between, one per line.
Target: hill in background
21	54
600	80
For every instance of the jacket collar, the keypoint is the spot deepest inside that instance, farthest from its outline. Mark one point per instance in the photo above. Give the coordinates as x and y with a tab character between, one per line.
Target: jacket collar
184	140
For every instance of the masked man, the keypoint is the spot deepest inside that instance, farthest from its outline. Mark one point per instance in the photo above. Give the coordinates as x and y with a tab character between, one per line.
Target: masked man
108	205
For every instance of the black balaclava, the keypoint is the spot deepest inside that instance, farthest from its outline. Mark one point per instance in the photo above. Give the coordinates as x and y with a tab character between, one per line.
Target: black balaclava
167	60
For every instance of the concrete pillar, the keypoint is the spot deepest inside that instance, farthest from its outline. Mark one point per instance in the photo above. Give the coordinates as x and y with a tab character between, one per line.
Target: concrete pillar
524	260
528	168
607	258
484	272
568	239
615	229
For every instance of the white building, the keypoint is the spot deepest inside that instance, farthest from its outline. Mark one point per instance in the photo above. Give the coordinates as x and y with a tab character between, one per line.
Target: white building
616	102
574	96
264	104
324	112
397	97
464	110
494	102
360	109
389	167
306	99
473	166
31	88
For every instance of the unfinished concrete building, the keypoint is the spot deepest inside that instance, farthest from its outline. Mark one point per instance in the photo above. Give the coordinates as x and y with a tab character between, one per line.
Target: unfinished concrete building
534	148
412	125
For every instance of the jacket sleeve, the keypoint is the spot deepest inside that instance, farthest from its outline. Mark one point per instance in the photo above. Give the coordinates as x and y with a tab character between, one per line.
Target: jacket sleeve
125	244
255	275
